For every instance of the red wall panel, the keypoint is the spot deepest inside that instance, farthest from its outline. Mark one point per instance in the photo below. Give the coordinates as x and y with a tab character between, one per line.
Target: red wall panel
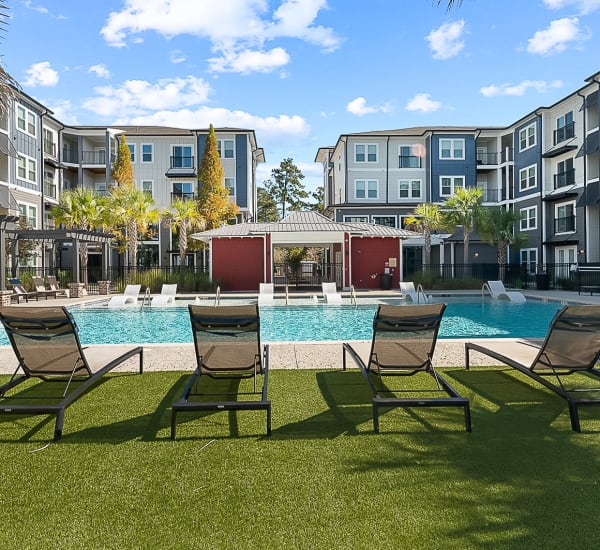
238	263
369	257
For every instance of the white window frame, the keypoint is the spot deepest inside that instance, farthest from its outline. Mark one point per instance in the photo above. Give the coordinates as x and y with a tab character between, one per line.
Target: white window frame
529	136
411	150
368	187
31	213
453	148
143	153
144	187
525	176
356	219
29	166
452	185
26	121
529	258
529	219
230	187
366	152
191	156
557	208
131	151
223	150
410	189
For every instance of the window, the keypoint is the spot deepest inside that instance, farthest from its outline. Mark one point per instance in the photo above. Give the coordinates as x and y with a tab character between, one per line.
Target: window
183	190
407	157
449	185
29	214
564	219
358	219
365	152
565	174
528	218
131	151
528	178
409	189
527	137
147	187
49	142
100	188
230	186
182	156
26	120
452	149
366	189
565	128
225	148
147	152
529	259
389	221
27	169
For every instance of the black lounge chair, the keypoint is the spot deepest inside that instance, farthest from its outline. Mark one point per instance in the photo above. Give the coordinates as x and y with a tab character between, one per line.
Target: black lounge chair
19	291
46	343
404	339
572	346
40	288
227	345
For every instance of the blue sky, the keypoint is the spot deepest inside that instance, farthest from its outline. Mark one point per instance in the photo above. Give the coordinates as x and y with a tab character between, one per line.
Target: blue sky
300	72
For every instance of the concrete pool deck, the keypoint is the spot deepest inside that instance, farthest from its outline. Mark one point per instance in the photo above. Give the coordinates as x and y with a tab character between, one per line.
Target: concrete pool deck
294	355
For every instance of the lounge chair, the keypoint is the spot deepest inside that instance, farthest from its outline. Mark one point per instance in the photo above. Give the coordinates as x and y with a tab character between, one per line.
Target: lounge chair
53	285
571	346
498	292
20	292
331	294
128	298
412	294
404	339
227	345
265	294
46	343
41	289
166	296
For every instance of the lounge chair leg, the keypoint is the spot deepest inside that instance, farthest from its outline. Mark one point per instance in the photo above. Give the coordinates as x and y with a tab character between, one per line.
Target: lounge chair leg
468	417
173	424
375	418
269	420
574	413
58	426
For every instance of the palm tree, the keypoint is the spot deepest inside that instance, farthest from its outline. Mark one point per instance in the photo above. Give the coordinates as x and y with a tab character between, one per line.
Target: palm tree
184	216
426	218
497	226
132	208
463	208
80	209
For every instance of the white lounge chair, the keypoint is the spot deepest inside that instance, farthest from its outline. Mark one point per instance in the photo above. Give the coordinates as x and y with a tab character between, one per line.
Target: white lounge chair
166	296
331	294
128	298
498	292
265	294
412	294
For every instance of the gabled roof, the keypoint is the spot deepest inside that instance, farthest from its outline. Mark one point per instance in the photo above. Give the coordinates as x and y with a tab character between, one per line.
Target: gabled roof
308	222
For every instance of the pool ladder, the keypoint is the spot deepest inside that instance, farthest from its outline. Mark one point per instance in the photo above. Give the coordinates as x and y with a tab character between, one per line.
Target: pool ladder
287	295
218	296
147	299
353	296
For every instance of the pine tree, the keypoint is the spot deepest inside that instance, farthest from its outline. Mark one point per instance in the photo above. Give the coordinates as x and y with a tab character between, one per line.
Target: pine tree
213	200
286	186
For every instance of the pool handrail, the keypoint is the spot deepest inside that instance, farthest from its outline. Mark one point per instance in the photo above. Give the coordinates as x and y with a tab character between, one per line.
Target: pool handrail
218	296
353	296
147	297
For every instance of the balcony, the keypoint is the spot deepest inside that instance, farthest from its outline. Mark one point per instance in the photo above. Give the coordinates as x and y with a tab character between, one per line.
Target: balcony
181	167
562	179
564	133
564	225
50	148
409	161
93	157
182	196
50	189
491	195
488	159
70	156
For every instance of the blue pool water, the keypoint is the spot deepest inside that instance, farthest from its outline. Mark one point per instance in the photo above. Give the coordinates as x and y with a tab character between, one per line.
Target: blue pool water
475	319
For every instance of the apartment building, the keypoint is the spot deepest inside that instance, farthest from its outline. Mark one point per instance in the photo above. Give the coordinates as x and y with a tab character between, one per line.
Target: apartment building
545	166
40	157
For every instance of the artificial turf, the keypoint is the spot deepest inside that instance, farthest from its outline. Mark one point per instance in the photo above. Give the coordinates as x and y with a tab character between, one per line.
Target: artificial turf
323	479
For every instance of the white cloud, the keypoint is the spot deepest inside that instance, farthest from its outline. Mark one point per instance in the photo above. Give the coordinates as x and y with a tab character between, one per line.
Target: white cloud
359	107
41	74
540	86
247	61
139	97
446	41
239	26
99	70
64	110
423	103
557	37
176	56
583	6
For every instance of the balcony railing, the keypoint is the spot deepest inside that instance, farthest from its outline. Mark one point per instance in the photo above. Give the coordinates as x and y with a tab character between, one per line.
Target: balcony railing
50	148
562	179
183	196
70	156
50	190
564	225
182	162
93	157
489	159
491	195
566	132
409	161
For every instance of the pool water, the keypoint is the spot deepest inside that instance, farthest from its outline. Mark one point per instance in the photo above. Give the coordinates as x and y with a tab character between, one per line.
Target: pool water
293	323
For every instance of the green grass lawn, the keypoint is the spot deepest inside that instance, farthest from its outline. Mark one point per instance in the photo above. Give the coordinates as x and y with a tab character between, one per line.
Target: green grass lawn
521	479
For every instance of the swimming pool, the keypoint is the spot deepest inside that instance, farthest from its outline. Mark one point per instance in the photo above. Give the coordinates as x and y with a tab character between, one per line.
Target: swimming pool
305	323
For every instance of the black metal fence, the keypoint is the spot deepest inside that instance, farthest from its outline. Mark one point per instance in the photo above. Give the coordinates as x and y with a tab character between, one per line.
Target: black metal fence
307	275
